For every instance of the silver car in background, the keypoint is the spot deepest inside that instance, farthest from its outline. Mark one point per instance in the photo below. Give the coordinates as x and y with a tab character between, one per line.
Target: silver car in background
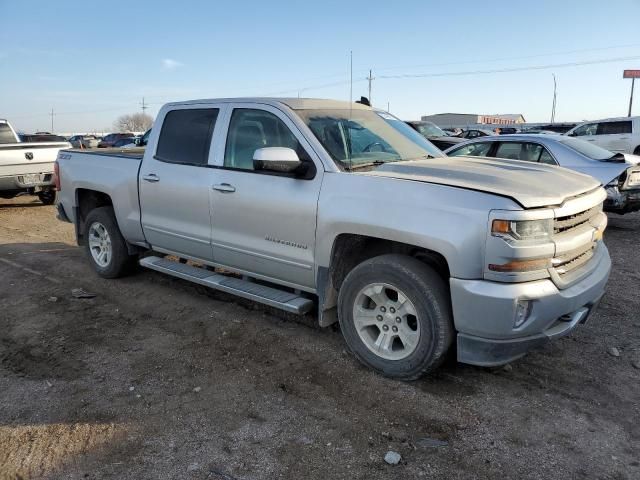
618	172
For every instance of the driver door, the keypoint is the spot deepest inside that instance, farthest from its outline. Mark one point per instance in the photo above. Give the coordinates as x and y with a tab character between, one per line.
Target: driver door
264	223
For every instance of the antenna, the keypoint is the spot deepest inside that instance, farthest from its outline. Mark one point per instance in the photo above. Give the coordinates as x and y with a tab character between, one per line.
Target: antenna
370	78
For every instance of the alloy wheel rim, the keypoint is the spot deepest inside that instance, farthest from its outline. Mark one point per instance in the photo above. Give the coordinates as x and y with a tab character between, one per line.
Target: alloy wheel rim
100	244
386	321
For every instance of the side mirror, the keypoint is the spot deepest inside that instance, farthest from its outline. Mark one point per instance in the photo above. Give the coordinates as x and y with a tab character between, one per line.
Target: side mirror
276	159
572	134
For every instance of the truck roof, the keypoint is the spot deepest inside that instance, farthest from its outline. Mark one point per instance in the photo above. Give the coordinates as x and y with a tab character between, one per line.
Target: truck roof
294	103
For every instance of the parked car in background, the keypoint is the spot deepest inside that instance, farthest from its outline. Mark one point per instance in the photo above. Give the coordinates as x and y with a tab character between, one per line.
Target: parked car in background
349	212
84	141
27	167
537	131
615	134
140	141
475	133
619	173
41	137
434	134
123	142
505	130
109	140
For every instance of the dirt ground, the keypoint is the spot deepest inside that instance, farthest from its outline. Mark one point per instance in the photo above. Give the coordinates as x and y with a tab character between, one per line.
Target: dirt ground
155	379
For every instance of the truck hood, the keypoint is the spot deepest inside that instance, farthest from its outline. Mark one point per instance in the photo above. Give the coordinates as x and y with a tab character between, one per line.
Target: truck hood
532	185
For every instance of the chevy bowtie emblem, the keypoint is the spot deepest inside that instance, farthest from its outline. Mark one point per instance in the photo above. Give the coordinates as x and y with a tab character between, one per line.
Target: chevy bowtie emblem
28	156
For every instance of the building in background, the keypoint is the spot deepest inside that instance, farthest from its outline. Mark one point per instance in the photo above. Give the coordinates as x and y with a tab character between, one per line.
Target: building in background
463	120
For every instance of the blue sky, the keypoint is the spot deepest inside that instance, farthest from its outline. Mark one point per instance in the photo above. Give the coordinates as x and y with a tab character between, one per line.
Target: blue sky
92	63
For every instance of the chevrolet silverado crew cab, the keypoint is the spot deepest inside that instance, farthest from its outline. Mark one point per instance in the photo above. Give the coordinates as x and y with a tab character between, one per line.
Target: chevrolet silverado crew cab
308	204
27	167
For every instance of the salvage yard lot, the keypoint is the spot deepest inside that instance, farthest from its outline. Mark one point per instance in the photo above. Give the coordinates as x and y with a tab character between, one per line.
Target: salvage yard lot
153	378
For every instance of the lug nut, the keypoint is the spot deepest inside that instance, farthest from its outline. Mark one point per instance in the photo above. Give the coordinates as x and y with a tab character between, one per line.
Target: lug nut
385	327
382	309
398	320
392	310
394	328
379	318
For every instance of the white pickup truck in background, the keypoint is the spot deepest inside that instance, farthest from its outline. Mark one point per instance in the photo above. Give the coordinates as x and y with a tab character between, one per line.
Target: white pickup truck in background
27	167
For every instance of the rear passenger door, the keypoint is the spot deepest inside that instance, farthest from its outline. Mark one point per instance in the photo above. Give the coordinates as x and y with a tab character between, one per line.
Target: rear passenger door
526	151
264	223
175	181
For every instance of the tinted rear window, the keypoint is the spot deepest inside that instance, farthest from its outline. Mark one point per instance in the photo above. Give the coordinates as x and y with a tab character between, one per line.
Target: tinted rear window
6	135
186	136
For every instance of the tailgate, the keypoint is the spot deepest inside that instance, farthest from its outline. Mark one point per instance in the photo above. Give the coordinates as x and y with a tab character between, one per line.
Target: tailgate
18	159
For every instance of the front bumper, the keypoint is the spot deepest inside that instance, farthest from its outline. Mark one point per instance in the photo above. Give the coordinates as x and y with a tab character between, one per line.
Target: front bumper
484	313
622	201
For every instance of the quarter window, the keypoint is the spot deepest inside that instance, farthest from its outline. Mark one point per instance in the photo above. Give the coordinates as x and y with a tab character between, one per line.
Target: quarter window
472	150
252	129
186	136
614	128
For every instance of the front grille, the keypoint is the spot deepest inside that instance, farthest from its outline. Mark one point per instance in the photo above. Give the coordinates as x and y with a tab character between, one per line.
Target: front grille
568	262
563	224
575	259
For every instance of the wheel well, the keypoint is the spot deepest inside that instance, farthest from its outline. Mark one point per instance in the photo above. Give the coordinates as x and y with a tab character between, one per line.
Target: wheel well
349	250
87	200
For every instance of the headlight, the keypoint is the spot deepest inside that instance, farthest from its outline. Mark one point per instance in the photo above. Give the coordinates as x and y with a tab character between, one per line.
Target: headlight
523	229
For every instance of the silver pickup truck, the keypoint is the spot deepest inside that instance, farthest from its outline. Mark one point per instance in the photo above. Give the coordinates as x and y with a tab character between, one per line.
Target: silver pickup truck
314	204
27	167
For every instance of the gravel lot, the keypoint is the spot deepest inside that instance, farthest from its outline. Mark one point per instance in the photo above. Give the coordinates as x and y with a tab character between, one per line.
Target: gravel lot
154	378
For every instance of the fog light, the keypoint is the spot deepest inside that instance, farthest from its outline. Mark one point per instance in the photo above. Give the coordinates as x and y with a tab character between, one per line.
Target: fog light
523	309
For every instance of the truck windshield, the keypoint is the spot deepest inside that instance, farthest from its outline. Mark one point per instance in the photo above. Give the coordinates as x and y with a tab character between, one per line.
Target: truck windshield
358	138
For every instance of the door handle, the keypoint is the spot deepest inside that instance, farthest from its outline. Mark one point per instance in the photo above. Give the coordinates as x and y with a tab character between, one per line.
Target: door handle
152	177
224	187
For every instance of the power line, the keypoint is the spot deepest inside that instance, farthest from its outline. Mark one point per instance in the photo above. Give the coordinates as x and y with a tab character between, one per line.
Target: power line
513	69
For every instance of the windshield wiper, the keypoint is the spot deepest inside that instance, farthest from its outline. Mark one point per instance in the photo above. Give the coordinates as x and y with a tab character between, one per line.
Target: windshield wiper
364	165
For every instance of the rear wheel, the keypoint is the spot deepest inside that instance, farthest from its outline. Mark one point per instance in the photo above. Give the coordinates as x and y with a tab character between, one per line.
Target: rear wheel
48	197
637	150
105	246
395	315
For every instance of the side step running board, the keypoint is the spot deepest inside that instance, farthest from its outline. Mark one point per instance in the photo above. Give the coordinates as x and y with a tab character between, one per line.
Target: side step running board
273	297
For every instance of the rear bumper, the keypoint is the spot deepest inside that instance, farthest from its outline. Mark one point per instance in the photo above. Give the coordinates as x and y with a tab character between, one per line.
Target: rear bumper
484	313
17	182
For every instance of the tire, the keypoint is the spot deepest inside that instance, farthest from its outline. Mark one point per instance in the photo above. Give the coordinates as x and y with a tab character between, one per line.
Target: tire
48	197
117	261
429	333
637	150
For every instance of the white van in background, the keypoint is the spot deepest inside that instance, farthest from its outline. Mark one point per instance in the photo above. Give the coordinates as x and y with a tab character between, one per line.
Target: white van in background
615	134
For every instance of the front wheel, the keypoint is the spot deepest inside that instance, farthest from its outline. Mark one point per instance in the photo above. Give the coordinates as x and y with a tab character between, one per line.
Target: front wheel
395	315
105	246
48	197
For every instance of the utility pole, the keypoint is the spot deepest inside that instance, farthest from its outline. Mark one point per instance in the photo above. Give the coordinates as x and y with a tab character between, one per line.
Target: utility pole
351	76
553	106
144	106
633	80
51	119
370	78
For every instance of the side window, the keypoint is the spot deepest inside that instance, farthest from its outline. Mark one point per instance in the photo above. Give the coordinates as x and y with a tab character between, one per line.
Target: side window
185	136
587	129
614	128
509	150
480	149
250	130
